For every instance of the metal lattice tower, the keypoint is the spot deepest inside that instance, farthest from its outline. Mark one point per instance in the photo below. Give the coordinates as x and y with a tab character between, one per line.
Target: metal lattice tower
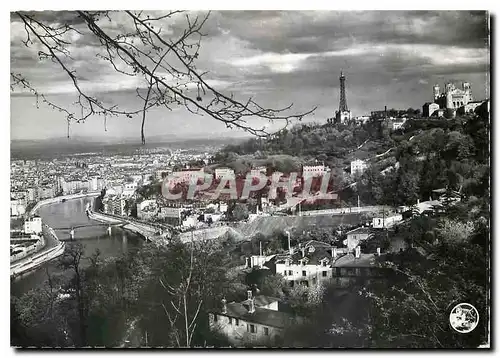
343	101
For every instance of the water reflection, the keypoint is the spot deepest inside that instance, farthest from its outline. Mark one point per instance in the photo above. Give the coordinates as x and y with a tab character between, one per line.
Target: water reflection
95	236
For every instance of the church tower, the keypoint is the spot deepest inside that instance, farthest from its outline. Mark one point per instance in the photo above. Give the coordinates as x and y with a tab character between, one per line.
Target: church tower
436	92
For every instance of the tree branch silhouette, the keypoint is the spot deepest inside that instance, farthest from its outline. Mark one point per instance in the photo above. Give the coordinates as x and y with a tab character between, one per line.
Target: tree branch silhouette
164	63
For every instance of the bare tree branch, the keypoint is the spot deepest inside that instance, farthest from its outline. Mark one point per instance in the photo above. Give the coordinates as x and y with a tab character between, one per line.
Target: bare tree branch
165	65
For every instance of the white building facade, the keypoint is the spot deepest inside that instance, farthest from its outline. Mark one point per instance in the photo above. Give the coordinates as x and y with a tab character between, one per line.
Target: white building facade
33	225
309	264
358	167
17	207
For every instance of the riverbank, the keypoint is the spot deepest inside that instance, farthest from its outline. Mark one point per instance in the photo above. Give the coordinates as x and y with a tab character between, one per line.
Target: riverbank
70	213
23	251
53	249
59	199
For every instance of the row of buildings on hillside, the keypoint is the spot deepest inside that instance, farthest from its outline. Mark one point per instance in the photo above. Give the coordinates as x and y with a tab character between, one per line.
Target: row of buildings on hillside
263	319
159	208
307	171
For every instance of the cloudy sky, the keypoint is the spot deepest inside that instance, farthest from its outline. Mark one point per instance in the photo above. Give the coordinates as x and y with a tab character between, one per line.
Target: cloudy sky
278	58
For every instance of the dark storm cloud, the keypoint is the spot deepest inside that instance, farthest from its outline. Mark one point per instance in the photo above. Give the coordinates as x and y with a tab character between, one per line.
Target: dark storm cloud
51	17
316	31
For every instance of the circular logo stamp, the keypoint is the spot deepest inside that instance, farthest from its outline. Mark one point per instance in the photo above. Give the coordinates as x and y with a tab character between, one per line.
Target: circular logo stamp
464	318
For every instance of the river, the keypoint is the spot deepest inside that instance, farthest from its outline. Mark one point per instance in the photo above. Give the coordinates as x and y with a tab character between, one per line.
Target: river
69	214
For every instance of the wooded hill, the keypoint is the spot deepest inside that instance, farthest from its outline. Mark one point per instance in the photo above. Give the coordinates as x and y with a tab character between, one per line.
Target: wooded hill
425	154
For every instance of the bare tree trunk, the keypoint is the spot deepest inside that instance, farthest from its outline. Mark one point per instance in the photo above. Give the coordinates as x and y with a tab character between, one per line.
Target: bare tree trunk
186	321
49	279
181	293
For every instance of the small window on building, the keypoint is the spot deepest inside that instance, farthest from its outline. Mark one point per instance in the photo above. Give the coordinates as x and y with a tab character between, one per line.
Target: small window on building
324	274
290	273
284	273
304	273
236	321
215	318
230	321
251	328
266	331
324	263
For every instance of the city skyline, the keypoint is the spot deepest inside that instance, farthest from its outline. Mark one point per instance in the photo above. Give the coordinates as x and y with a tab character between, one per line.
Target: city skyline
336	192
389	59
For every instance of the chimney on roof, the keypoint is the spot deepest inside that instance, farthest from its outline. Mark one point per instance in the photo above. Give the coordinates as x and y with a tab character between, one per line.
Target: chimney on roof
246	262
224	306
303	251
249	294
251	308
334	253
378	251
357	252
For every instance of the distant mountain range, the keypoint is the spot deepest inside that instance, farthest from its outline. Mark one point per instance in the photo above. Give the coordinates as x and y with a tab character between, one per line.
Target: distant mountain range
50	147
158	139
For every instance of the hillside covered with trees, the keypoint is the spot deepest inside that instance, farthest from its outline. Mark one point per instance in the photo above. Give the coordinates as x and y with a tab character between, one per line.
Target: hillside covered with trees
404	165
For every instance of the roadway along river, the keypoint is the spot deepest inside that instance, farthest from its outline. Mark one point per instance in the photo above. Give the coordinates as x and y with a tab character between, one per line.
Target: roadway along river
72	213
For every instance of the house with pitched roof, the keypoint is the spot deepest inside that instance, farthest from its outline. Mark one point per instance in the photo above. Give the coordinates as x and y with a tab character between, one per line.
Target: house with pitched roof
256	320
354	237
357	267
308	264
